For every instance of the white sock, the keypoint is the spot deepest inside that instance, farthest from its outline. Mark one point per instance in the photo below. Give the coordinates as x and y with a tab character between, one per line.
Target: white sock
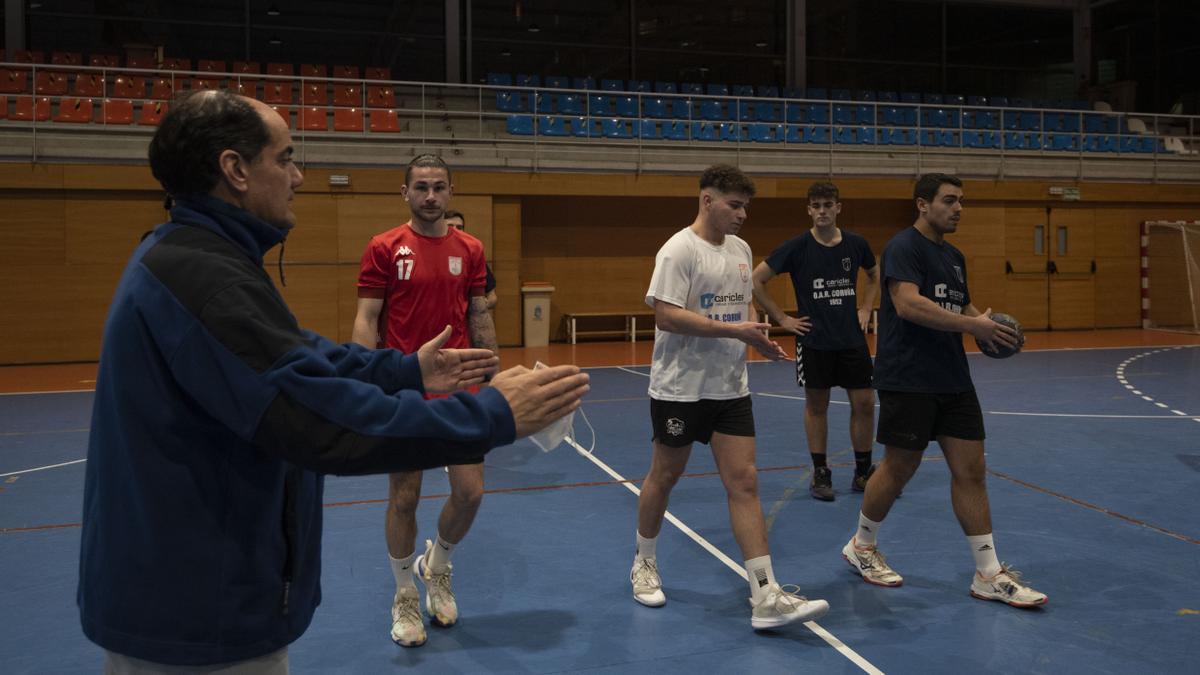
439	556
646	547
761	576
984	550
867	529
402	570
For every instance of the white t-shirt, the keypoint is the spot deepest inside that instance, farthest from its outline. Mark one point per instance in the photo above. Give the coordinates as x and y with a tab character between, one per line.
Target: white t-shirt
714	282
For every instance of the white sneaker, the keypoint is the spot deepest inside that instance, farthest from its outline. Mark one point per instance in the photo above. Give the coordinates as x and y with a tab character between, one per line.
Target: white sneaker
647	585
782	606
871	564
439	598
408	629
1006	587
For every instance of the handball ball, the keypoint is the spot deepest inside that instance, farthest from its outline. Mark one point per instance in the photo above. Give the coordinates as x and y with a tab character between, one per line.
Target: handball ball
1001	351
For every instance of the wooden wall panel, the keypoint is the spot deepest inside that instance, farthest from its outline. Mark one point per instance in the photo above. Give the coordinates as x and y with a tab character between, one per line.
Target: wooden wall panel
108	227
477	212
1072	303
347	301
1118	296
362	216
981	231
32	229
988	284
312	294
54	312
1026	298
1118	232
315	237
506	251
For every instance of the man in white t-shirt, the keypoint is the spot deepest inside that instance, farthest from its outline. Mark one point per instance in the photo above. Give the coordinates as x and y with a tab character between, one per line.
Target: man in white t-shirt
701	293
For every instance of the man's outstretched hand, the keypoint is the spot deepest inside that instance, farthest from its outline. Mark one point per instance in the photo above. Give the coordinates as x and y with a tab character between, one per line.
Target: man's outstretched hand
447	370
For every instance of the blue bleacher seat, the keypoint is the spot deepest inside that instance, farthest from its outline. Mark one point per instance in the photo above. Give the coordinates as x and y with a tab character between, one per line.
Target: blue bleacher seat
977	100
1063	142
742	90
512	101
1099	143
587	83
582	127
681	108
795	133
499	79
650	130
717	90
691	88
654	108
816	134
864	95
819	93
1020	102
819	113
998	101
768	91
897	136
795	113
641	85
519	125
571	104
934	117
528	80
1012	120
841	95
675	131
758	132
612	85
627	106
910	97
843	114
939	138
887	96
704	131
546	103
615	128
953	99
1030	120
712	109
551	125
665	87
794	92
746	112
730	131
767	111
558	82
931	99
981	139
600	105
844	135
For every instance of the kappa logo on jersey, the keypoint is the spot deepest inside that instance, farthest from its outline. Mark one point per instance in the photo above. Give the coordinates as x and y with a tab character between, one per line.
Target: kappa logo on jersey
403	250
845	264
455	265
744	270
675	426
958	273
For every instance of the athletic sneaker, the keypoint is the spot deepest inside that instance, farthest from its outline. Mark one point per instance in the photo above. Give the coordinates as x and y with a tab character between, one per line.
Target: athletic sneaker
408	629
439	599
1006	587
871	564
822	484
781	606
647	585
859	484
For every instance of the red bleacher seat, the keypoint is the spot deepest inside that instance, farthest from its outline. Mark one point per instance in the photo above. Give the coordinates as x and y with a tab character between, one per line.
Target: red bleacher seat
75	110
50	83
347	119
88	84
347	94
119	111
66	58
177	63
346	72
145	61
380	96
104	61
280	69
313	70
275	91
152	113
26	56
245	87
14	81
210	66
314	93
129	86
378	73
3	106
284	112
162	88
313	118
27	110
384	120
246	67
200	83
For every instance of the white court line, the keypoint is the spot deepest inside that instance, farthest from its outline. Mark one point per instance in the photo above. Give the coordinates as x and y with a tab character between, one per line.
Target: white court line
42	468
825	635
635	372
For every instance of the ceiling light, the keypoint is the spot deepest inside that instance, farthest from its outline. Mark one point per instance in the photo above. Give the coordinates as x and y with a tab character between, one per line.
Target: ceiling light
534	28
273	10
275	40
760	44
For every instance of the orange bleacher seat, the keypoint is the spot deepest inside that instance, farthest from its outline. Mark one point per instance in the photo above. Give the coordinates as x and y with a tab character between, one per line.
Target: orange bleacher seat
129	86
66	58
313	118
384	120
26	56
280	69
162	88
27	110
145	61
246	67
313	70
118	112
152	113
210	66
347	94
76	110
3	103
50	83
380	96
347	119
88	84
284	112
315	93
200	83
13	81
177	63
378	73
346	72
245	87
277	92
104	61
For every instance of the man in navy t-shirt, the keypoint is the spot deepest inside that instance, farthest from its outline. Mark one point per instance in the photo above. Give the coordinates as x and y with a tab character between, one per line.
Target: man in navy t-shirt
831	350
926	393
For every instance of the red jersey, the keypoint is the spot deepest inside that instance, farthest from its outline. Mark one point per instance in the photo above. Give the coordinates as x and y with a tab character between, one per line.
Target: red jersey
425	283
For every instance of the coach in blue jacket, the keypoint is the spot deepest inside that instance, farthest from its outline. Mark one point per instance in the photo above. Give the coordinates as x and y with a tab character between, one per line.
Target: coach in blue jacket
216	415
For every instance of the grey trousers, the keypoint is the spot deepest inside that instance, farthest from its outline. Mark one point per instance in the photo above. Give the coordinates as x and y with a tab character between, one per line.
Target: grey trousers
275	663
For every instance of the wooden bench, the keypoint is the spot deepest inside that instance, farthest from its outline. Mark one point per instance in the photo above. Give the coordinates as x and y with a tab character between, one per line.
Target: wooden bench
630	329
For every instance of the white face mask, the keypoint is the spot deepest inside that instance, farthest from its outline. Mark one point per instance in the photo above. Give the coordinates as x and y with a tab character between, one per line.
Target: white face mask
549	438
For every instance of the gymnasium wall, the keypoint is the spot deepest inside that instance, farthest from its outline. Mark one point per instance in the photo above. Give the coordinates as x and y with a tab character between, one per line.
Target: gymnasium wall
67	230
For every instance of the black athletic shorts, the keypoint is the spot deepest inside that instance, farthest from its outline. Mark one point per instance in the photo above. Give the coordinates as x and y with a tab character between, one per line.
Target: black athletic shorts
829	368
678	423
910	420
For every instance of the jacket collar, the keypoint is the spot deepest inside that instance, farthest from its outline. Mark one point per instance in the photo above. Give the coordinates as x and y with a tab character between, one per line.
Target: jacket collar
248	232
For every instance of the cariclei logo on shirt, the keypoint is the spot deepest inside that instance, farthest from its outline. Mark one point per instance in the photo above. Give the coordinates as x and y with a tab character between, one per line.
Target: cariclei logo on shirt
710	301
832	290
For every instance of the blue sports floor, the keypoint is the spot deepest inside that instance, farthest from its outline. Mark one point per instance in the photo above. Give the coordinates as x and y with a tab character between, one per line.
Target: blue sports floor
1094	459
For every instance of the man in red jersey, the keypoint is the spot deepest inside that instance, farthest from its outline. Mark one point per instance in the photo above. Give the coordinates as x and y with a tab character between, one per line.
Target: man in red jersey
414	281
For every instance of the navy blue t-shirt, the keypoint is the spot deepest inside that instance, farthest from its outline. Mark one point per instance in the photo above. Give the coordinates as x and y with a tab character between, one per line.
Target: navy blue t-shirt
824	278
911	357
